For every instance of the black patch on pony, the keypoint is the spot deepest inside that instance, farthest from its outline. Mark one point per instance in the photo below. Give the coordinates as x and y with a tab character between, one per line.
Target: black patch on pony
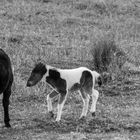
54	74
40	69
85	82
56	81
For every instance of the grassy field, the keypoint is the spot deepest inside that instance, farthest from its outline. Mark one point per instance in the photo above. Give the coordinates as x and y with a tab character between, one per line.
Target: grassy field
62	33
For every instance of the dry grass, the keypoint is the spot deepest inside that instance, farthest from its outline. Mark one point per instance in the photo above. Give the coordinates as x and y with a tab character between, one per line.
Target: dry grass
62	33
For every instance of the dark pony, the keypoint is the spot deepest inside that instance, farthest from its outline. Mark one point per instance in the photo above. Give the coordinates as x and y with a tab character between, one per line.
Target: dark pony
6	80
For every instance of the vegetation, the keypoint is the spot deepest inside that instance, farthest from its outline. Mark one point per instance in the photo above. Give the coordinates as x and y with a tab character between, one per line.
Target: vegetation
108	57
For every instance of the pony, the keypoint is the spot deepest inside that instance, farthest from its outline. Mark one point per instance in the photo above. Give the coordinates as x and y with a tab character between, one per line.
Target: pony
64	81
6	80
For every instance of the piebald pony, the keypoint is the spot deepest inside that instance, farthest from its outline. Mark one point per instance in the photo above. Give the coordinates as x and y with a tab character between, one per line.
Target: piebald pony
67	80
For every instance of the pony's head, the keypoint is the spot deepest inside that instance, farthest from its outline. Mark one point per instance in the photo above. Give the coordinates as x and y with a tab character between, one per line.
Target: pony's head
36	74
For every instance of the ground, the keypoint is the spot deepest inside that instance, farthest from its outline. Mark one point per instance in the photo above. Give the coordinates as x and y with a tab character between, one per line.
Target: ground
62	33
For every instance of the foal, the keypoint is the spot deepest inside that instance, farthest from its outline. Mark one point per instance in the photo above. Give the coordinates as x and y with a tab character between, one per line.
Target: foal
6	80
64	80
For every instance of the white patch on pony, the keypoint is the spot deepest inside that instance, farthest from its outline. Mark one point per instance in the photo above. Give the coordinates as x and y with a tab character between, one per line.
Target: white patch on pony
72	76
48	67
95	74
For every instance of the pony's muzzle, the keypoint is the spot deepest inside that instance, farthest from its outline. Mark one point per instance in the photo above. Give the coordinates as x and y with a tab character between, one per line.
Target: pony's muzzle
29	84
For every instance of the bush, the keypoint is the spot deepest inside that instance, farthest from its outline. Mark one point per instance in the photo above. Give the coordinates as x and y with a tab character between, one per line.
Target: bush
102	53
108	57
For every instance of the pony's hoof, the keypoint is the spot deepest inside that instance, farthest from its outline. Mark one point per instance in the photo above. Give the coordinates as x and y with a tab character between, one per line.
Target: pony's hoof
82	119
58	123
7	125
93	114
51	114
57	120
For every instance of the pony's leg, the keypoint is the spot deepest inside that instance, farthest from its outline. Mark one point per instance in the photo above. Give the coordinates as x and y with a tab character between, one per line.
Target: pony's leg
49	102
95	95
61	102
6	96
85	98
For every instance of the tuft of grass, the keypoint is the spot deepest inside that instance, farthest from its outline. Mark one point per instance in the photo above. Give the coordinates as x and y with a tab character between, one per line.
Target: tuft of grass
108	57
102	53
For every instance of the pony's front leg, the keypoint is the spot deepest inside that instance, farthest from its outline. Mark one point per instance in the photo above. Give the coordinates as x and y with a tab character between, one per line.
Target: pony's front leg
61	102
49	102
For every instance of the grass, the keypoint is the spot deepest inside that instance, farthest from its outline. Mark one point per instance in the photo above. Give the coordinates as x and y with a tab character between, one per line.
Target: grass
62	33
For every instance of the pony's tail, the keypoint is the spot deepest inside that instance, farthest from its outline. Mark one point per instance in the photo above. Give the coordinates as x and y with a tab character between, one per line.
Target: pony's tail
98	78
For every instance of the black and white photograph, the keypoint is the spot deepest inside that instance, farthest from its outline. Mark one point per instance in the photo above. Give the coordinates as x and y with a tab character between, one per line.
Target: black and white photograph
69	69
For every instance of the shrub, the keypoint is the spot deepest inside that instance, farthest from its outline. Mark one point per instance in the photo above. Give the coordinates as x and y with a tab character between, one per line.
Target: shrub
102	53
108	57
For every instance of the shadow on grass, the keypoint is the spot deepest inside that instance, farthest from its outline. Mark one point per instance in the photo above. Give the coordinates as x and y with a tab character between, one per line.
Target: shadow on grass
101	125
60	127
89	126
134	127
95	125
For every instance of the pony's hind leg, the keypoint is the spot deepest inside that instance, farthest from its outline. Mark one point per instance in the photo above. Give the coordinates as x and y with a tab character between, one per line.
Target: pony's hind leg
85	98
6	96
95	95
